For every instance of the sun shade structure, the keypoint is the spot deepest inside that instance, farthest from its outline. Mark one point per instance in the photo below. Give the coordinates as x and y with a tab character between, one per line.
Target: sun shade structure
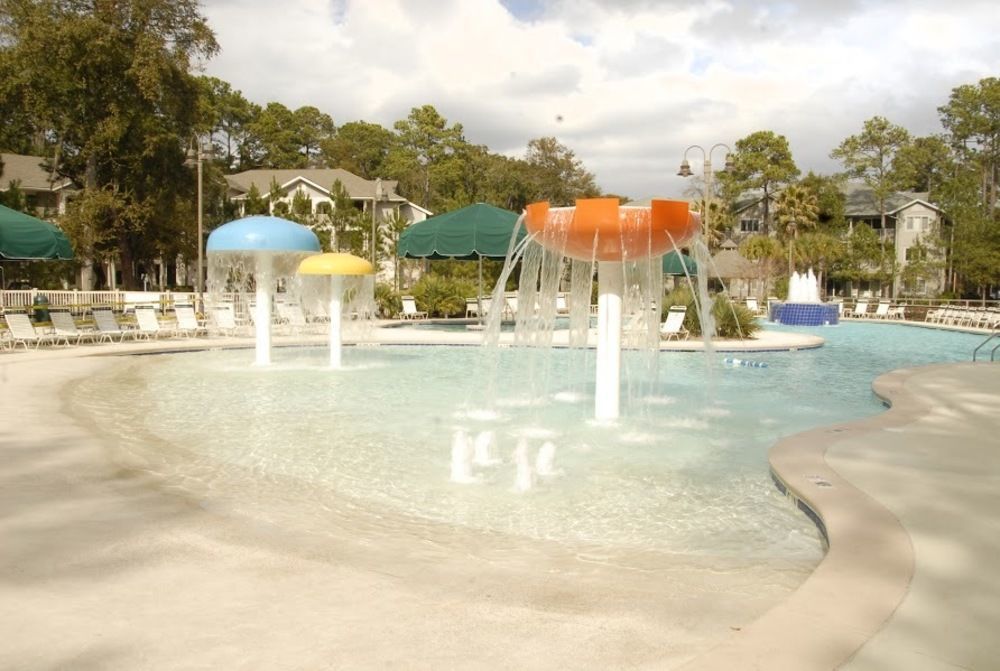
26	238
470	233
675	263
337	266
269	246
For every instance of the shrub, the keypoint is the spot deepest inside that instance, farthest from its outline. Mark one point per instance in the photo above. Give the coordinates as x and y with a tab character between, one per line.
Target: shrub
441	296
388	301
731	320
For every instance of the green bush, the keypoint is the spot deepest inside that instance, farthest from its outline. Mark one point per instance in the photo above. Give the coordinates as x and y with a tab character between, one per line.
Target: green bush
732	321
388	301
442	296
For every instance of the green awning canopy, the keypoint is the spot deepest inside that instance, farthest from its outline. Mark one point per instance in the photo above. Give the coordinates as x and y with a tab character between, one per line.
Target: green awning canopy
473	232
674	263
25	238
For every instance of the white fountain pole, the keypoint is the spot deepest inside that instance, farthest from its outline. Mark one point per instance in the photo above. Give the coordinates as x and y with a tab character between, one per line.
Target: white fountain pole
336	292
262	321
607	392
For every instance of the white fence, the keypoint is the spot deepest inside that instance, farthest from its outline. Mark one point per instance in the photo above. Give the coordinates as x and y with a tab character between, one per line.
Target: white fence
80	302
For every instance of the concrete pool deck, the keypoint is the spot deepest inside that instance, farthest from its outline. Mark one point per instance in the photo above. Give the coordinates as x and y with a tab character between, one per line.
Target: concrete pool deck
908	499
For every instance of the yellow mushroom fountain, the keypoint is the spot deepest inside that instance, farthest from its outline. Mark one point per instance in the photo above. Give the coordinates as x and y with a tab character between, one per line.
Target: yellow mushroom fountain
337	265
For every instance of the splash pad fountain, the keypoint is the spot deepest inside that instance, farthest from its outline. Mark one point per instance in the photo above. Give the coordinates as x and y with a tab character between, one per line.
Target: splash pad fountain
620	240
338	267
803	307
257	252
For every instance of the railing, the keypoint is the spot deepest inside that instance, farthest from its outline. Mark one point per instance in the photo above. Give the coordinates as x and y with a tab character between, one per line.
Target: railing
79	303
993	352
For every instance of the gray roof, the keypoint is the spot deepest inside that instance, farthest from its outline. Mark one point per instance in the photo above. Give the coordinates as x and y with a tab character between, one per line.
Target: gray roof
359	188
29	171
860	200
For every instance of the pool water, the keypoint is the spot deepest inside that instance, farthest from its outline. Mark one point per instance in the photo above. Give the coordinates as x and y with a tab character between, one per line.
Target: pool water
684	472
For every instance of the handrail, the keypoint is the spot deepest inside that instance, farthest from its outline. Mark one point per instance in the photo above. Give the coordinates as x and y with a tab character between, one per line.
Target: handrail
993	351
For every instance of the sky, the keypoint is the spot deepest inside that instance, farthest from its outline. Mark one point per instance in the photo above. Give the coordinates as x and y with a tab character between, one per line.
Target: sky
627	85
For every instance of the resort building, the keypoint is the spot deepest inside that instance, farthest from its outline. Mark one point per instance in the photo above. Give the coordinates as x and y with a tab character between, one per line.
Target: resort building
912	223
46	193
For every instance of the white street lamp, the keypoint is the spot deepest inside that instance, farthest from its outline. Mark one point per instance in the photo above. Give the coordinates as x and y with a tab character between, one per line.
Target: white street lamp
685	171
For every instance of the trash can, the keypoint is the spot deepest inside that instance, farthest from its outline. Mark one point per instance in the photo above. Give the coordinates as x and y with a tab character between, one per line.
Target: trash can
41	308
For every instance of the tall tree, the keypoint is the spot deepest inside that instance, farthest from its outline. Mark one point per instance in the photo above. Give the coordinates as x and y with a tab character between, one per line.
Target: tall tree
559	176
225	115
767	252
870	155
272	139
109	85
761	161
798	210
972	119
312	128
359	147
427	157
923	164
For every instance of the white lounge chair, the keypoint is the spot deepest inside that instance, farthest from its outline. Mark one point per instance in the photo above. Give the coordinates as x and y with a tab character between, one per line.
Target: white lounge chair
510	306
410	310
881	310
752	305
187	321
23	331
64	326
673	327
108	327
224	319
471	307
860	309
149	324
292	317
562	307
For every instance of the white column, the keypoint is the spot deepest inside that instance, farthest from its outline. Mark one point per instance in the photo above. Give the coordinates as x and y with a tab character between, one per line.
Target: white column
262	320
607	391
336	292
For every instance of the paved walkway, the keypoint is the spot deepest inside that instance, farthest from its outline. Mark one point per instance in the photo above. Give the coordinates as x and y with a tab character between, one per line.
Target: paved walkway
910	500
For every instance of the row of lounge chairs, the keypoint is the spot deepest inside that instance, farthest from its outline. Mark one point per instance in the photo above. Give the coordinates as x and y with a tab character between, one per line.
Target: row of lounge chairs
104	327
969	317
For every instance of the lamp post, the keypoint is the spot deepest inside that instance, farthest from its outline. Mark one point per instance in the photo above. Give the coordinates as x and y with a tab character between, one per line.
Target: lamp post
685	171
379	195
195	158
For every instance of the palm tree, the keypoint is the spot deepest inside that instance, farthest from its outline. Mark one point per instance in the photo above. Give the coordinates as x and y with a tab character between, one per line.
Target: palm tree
765	250
819	250
798	209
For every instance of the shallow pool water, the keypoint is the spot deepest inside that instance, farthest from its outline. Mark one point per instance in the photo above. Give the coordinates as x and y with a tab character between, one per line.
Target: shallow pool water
683	472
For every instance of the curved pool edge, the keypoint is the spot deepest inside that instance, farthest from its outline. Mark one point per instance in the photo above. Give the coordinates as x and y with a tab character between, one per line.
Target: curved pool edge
857	591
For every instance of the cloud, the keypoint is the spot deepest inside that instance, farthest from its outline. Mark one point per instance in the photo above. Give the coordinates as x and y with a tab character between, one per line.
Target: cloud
635	81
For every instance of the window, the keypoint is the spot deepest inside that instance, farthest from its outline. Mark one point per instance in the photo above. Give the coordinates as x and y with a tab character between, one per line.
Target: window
909	224
749	225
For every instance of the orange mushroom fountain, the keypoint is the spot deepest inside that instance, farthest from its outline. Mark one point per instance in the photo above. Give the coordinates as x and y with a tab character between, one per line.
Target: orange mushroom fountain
602	230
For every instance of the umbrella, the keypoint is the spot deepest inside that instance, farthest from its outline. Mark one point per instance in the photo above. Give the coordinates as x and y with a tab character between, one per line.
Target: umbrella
471	233
25	238
676	263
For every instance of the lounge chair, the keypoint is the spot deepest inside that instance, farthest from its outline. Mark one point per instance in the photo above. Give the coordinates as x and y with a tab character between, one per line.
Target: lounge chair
860	309
471	307
410	310
23	331
149	324
752	305
881	310
292	317
673	327
562	307
510	306
187	321
224	319
108	326
64	326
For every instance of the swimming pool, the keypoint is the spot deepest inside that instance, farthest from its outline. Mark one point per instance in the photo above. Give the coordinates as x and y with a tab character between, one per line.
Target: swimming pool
683	473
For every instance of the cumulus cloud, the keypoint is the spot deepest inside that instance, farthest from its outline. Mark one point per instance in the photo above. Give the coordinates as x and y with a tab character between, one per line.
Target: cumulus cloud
633	81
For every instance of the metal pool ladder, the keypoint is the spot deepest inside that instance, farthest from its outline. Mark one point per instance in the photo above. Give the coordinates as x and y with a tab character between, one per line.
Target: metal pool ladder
993	352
